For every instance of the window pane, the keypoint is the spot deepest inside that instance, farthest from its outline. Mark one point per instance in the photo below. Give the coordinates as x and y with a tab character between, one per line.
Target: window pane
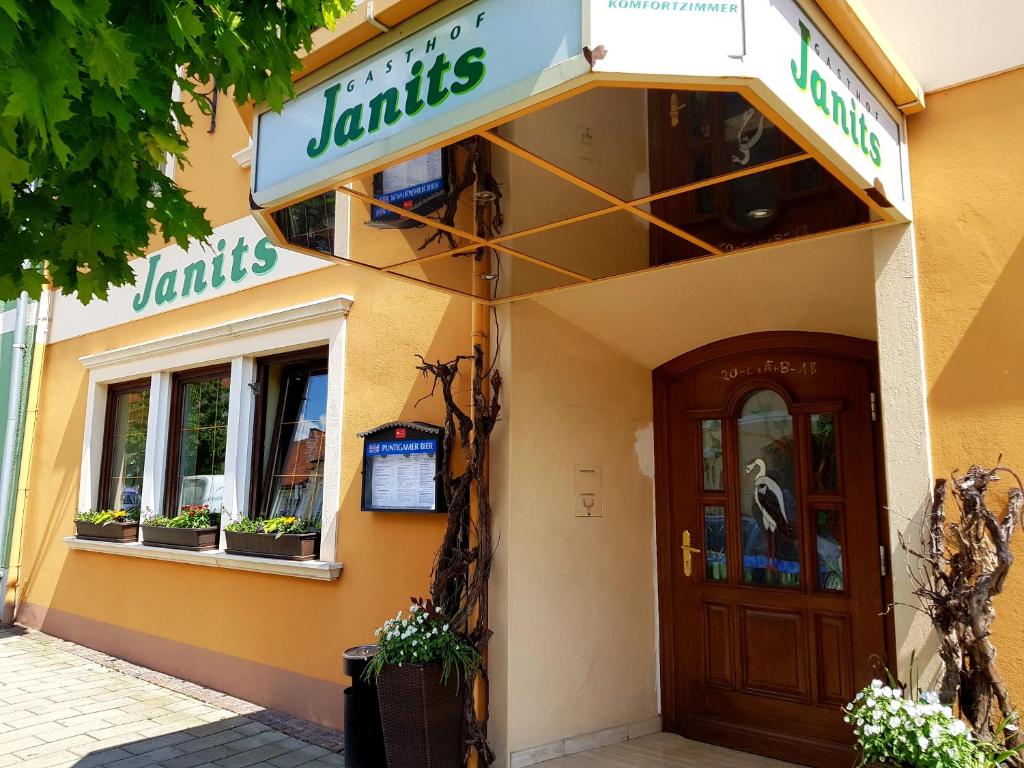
127	450
711	450
771	551
294	460
828	527
203	441
823	452
714	544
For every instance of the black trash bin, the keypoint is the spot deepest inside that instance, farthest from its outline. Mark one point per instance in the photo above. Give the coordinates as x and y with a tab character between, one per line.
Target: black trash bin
364	738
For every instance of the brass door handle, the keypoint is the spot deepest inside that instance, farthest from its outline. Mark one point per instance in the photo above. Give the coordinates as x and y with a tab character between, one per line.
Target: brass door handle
688	553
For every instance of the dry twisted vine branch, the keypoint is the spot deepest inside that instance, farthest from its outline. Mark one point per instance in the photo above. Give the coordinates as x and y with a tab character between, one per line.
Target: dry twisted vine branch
462	568
962	565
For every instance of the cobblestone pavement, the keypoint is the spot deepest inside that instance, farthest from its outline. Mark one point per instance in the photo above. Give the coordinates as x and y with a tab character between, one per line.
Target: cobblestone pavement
65	705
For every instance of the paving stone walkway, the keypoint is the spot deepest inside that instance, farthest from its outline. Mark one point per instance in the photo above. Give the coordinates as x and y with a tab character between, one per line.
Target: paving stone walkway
65	705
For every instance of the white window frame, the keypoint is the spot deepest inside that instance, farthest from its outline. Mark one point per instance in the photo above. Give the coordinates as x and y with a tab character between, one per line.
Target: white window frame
241	343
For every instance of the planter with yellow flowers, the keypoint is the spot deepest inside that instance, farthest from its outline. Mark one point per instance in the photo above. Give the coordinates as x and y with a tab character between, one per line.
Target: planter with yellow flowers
117	525
283	538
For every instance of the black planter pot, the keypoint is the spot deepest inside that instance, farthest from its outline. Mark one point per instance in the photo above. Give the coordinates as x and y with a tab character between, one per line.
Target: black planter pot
122	533
191	539
290	546
422	717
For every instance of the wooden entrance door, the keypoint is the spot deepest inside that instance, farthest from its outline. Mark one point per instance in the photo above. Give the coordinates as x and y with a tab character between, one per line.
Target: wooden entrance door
771	542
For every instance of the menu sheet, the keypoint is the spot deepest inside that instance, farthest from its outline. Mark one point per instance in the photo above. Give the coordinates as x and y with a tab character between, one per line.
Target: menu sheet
403	474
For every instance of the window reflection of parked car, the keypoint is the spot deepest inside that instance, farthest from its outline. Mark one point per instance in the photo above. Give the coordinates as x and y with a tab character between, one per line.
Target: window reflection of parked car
197	490
131	499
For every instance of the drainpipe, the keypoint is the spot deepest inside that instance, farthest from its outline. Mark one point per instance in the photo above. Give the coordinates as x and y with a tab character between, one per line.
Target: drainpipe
8	469
33	381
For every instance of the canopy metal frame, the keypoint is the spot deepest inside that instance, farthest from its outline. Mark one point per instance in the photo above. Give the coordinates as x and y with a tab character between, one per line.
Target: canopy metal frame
613	203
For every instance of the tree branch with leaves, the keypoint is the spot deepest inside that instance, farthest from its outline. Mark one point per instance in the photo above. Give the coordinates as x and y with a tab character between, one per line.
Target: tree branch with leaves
88	122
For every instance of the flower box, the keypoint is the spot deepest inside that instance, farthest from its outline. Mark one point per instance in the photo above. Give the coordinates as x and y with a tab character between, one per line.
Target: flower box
422	716
122	533
191	539
288	546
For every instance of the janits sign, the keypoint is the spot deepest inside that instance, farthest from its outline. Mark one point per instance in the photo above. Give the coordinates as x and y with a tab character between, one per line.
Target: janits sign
798	63
493	54
239	256
773	41
490	54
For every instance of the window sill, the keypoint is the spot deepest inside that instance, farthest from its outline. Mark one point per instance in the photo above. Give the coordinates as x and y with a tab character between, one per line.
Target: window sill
318	570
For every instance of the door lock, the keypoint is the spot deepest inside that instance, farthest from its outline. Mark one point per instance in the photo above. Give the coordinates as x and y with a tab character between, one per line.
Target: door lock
688	553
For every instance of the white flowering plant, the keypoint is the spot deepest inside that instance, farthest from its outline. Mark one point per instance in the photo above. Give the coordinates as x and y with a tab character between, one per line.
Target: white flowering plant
424	636
893	729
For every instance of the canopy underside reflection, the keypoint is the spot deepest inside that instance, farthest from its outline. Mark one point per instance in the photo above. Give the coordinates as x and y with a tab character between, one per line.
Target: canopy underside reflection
606	182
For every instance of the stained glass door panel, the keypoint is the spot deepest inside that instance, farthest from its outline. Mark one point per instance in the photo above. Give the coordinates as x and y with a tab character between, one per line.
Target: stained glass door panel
768	492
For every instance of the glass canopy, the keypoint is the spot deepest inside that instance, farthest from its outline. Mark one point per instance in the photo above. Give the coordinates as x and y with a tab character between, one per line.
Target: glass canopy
601	183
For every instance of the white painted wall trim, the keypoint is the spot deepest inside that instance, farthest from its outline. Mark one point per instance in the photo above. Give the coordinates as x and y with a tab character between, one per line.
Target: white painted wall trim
157	427
236	330
320	570
241	342
92	446
238	450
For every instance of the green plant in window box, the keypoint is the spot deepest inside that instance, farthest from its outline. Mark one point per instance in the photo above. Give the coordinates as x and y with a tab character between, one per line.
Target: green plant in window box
119	525
279	526
108	516
195	528
285	538
190	516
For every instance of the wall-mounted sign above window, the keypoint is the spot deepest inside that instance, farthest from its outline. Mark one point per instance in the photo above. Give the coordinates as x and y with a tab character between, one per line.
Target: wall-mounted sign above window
479	59
239	256
402	463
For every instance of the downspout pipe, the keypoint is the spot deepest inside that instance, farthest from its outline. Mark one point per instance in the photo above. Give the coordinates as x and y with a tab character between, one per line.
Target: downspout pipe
8	470
41	316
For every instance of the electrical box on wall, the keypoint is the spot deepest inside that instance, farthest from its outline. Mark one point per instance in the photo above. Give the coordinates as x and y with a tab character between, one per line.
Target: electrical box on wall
587	499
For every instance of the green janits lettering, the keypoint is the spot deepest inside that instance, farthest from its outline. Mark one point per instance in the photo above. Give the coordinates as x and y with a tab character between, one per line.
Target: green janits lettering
470	70
413	103
316	148
876	150
266	257
436	92
350	126
193	277
165	292
384	105
800	70
819	91
140	300
839	112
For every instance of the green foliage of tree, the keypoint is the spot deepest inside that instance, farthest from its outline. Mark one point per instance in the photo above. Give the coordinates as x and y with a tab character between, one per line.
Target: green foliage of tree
87	121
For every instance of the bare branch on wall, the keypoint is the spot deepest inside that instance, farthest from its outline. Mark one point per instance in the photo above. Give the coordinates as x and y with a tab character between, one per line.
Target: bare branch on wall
463	564
962	565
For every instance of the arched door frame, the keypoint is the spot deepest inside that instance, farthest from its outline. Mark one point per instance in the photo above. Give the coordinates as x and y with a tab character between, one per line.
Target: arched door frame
768	342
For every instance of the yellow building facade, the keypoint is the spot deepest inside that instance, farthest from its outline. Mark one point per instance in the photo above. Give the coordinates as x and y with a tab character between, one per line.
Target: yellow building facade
707	271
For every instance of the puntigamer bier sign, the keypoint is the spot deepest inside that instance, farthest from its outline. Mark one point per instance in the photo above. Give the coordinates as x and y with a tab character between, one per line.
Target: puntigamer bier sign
482	58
